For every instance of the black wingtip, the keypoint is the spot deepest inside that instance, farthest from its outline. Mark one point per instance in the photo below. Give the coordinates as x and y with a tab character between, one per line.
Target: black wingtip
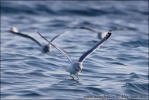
108	35
110	32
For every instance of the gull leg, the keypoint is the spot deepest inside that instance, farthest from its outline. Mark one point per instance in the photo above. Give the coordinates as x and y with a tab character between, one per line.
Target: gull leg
71	76
77	77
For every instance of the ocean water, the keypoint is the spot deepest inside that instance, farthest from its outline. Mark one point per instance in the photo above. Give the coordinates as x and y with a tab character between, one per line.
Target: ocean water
118	70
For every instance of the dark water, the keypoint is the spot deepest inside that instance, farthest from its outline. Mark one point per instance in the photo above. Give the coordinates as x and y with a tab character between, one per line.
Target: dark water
119	69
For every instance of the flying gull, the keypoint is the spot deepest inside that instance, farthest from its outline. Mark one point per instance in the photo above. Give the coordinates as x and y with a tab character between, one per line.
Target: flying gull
46	48
76	66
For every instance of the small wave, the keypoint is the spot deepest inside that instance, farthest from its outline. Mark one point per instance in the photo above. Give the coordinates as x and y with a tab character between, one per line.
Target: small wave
32	94
44	9
95	90
134	88
136	43
12	8
133	75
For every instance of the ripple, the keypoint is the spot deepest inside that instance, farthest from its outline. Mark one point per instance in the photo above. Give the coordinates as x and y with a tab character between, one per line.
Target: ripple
133	88
97	90
32	94
137	43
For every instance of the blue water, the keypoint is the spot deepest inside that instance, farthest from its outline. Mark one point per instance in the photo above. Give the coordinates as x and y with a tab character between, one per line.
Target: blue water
118	70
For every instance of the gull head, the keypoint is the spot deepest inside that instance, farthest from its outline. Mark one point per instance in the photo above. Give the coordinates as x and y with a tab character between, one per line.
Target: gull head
47	48
14	29
76	67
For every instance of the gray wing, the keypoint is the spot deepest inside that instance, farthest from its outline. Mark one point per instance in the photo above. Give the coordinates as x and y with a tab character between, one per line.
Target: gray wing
92	30
84	56
64	33
57	48
79	27
59	35
116	29
88	28
26	36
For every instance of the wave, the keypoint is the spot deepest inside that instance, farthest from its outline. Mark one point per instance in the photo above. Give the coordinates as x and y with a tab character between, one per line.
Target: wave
65	8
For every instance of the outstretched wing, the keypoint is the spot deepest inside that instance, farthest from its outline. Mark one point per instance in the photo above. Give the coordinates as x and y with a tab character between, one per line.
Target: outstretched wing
88	28
59	35
65	33
79	27
117	29
84	56
26	36
57	48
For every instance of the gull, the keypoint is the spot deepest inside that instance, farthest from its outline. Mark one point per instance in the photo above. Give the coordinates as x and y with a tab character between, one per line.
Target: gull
101	35
76	66
46	48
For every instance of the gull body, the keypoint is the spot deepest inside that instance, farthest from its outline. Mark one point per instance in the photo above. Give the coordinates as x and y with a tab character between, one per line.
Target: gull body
14	29
102	35
76	66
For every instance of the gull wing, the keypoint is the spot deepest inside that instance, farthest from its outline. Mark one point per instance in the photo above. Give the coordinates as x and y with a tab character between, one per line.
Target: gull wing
92	30
59	35
57	48
26	36
84	56
88	28
79	27
64	33
117	29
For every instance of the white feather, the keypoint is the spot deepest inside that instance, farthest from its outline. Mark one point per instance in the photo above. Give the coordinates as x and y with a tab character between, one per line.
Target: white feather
14	29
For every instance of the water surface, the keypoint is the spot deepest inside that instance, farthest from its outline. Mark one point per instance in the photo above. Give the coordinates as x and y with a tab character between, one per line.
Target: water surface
119	69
